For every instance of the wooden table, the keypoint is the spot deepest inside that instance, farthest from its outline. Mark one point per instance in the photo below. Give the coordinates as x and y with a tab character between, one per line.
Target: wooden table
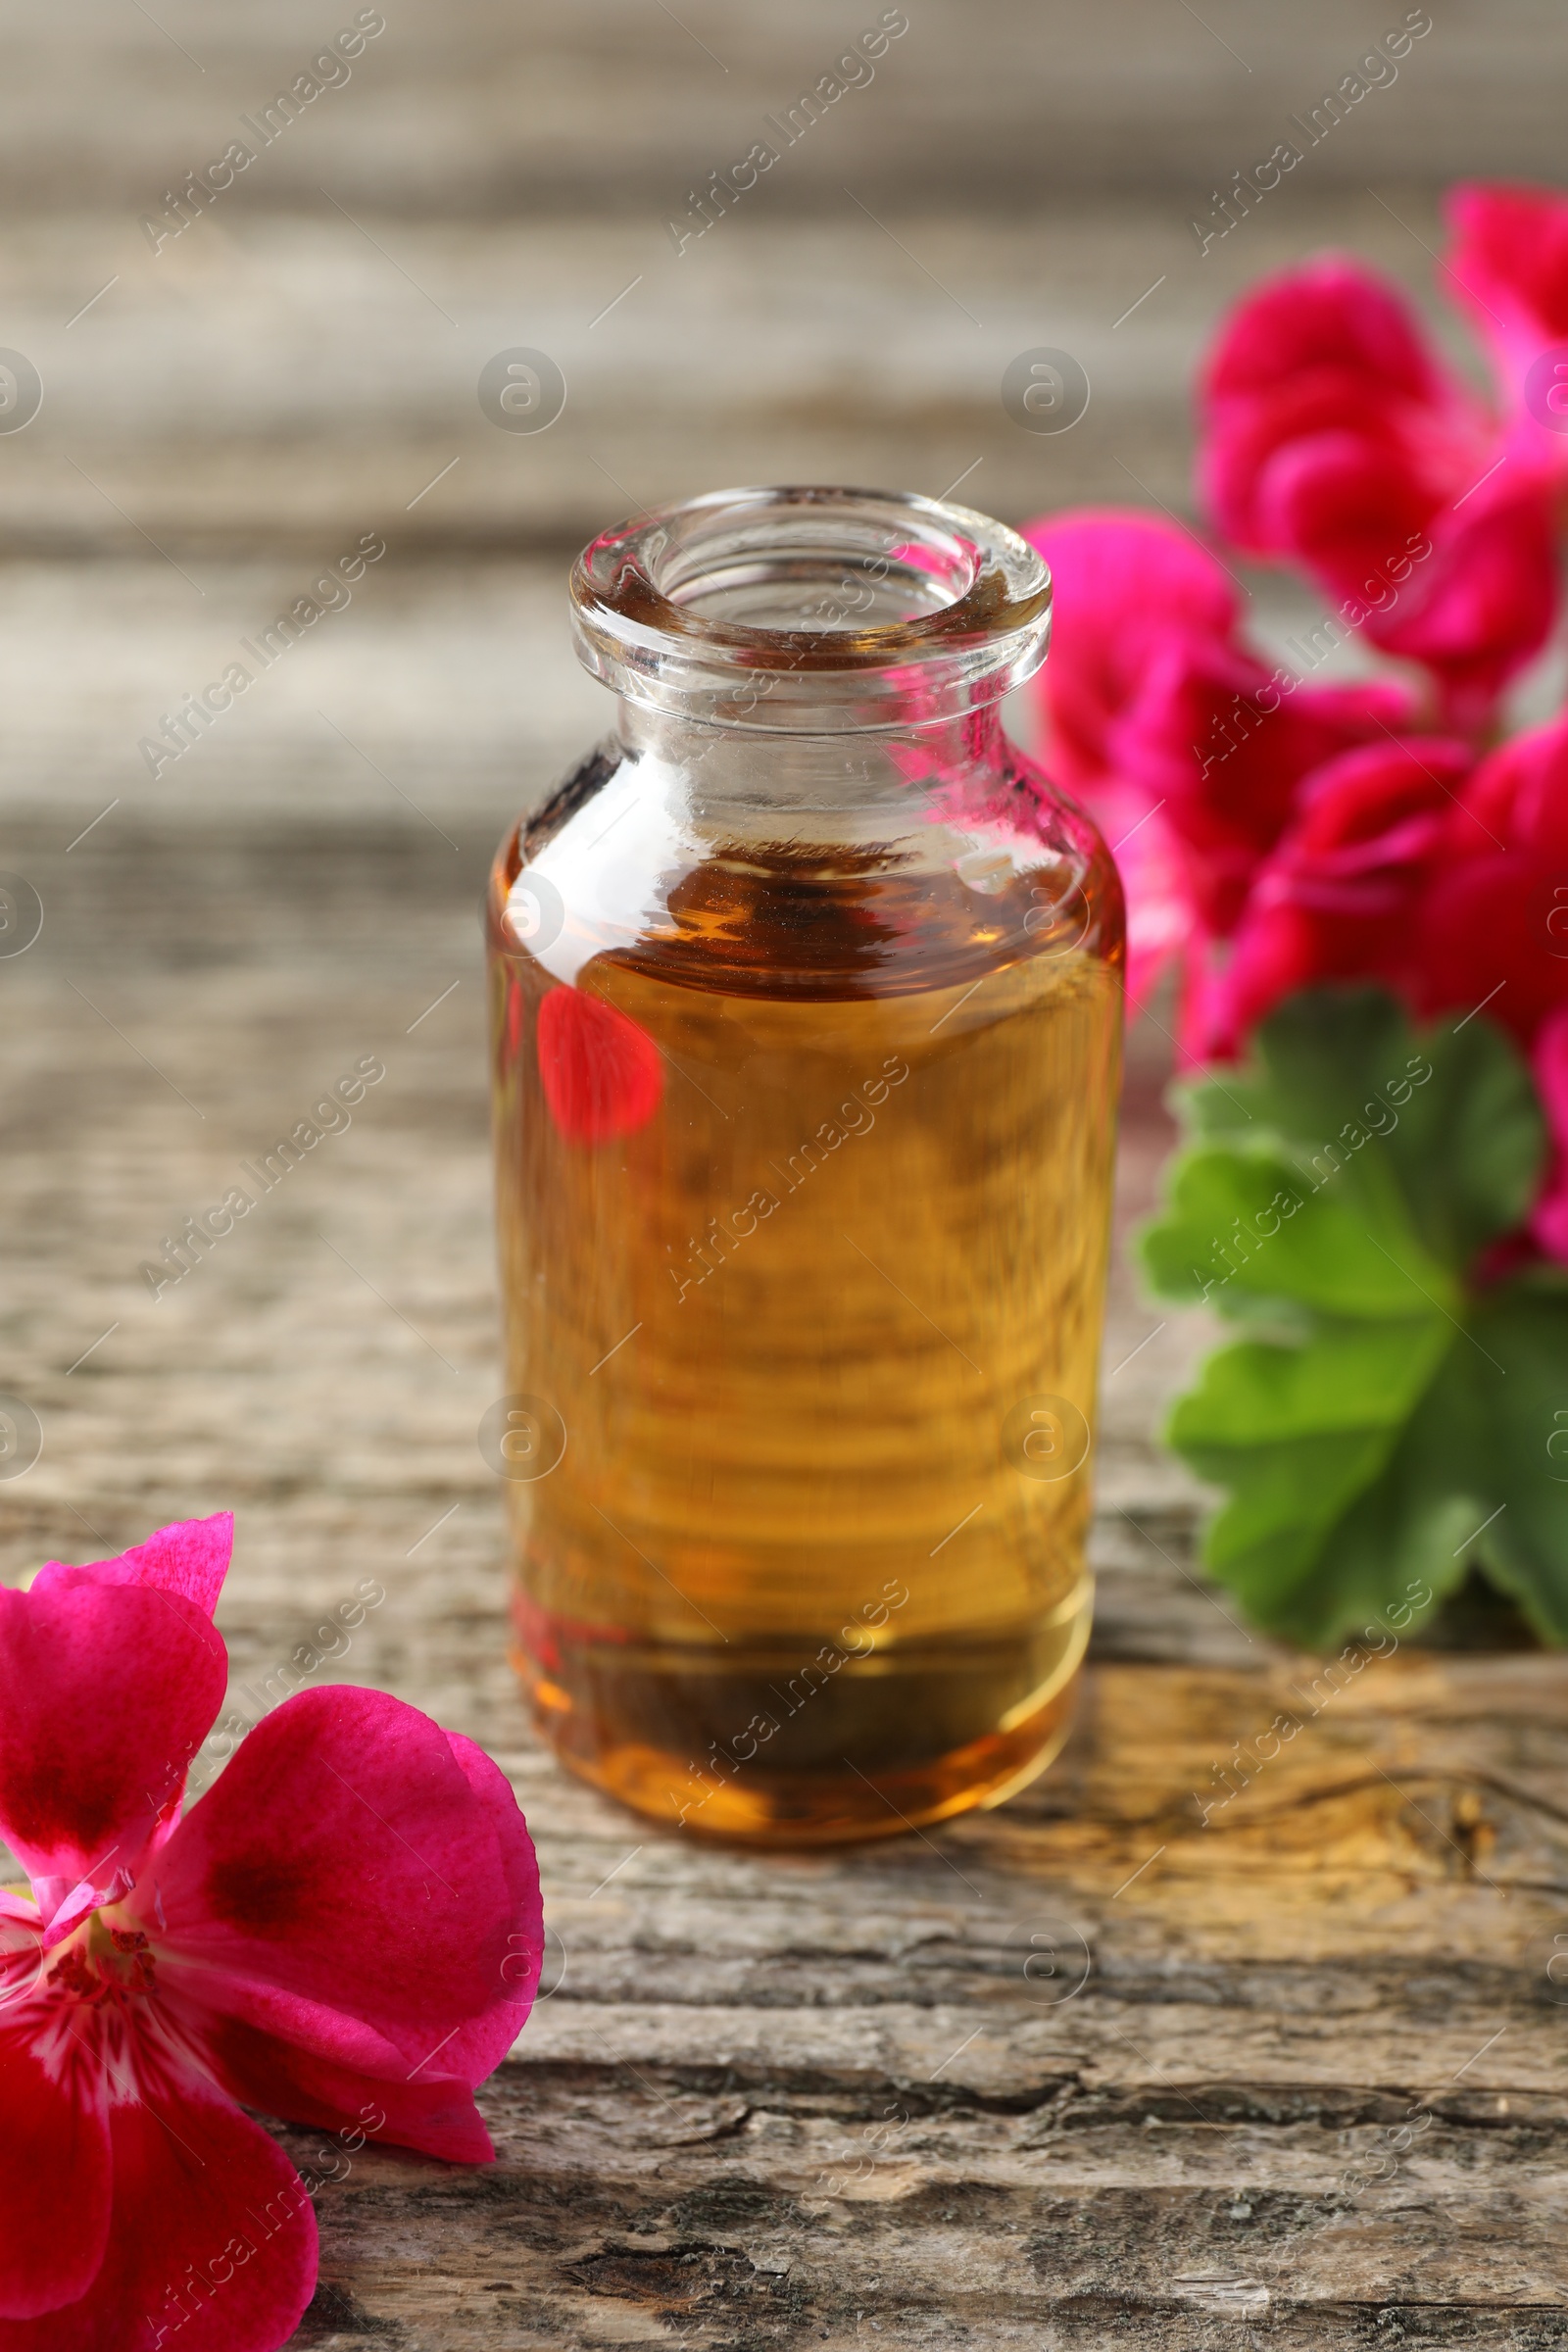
1078	2072
796	2099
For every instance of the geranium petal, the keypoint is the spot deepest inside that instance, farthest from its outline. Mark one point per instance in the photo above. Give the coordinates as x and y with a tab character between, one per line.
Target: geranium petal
1509	255
1123	585
479	2047
1342	504
1485	604
1474	608
1331	313
1338	898
54	2180
319	2026
106	1693
1334	437
1492	926
1154	702
1246	438
345	1858
211	2237
433	2111
189	1558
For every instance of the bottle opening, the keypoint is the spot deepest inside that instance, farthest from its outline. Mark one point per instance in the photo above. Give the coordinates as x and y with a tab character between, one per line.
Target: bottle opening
812	567
811	608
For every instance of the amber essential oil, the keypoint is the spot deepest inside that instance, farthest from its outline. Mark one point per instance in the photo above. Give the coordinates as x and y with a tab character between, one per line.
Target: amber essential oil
810	1564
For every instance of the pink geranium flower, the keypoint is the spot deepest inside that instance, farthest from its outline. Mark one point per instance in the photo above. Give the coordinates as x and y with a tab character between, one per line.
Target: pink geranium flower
1124	585
345	1931
1336	438
1409	865
1183	743
1494	925
1509	258
1121	584
1338	898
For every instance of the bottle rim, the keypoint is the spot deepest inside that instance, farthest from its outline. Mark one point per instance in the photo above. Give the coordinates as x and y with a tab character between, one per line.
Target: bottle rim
916	610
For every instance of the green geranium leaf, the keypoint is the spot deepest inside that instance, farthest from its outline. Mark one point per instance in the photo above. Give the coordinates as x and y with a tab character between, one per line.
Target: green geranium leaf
1455	1113
1397	1418
1245	1222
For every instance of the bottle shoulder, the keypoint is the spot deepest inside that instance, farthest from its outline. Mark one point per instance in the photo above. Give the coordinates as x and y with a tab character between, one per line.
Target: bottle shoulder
939	881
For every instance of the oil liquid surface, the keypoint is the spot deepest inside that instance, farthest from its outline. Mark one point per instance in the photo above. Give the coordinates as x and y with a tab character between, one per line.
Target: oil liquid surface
810	1351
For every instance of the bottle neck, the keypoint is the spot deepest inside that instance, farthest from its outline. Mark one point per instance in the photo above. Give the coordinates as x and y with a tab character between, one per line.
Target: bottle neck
718	771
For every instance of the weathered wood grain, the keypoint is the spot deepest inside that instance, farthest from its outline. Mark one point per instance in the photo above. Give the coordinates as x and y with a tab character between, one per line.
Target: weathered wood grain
760	2086
300	362
769	2102
460	109
278	382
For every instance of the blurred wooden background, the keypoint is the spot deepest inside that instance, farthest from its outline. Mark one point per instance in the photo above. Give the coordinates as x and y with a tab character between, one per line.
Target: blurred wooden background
1162	2157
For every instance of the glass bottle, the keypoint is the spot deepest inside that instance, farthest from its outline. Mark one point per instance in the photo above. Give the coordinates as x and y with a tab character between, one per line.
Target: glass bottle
807	998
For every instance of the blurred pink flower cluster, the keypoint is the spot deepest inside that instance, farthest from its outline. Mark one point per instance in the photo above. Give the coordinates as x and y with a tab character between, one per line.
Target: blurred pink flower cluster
1278	832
